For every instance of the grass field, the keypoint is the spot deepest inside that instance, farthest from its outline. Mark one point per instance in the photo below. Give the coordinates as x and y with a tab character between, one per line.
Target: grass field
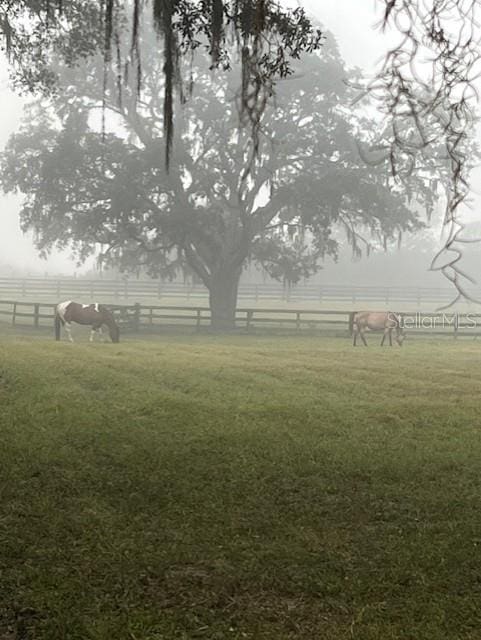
239	488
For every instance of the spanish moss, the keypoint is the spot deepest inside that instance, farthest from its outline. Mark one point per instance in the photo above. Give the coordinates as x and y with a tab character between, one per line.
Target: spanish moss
431	105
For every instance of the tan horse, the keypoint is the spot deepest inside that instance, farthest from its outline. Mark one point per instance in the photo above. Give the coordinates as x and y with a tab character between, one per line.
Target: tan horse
385	321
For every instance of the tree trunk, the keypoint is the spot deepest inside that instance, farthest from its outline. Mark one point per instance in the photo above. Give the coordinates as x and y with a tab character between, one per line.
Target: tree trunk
223	290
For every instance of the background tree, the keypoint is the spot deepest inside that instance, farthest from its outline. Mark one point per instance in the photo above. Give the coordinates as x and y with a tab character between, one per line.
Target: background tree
213	211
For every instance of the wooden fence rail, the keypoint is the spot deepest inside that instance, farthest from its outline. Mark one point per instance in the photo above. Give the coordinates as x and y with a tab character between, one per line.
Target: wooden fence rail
150	290
147	318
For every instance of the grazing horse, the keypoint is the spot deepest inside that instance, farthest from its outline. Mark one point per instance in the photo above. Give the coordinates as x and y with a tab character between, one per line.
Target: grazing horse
384	321
94	315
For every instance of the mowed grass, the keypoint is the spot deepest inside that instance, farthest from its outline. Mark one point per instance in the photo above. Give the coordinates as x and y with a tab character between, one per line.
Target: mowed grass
241	488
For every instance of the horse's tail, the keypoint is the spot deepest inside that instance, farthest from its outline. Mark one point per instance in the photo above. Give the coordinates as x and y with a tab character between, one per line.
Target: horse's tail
58	325
351	322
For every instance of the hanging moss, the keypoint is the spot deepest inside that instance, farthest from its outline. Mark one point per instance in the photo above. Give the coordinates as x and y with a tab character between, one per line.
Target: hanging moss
267	37
263	58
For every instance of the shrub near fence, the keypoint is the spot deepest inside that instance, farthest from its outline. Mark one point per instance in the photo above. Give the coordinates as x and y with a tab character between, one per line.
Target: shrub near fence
151	318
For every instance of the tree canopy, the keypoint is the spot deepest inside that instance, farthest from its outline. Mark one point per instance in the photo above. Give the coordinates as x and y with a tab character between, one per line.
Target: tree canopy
267	37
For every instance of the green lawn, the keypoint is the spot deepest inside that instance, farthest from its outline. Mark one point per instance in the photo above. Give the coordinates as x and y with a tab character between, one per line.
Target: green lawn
240	488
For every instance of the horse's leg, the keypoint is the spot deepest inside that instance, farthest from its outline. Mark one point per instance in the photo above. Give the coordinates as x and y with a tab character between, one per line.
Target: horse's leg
383	338
101	335
96	329
68	329
390	337
355	337
363	338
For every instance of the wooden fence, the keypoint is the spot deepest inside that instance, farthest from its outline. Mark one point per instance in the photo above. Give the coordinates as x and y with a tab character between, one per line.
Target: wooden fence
154	318
138	317
150	290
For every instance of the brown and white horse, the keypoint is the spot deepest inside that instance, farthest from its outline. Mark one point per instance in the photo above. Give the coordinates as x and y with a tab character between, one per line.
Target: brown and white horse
94	315
385	321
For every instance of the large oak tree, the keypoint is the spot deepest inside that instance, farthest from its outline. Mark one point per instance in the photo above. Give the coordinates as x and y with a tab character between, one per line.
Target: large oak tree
214	210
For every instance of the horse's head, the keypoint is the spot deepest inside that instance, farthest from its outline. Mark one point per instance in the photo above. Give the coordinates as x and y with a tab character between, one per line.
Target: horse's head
114	332
400	337
400	333
109	320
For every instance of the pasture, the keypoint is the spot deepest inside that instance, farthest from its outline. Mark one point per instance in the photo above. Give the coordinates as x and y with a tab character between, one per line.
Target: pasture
258	488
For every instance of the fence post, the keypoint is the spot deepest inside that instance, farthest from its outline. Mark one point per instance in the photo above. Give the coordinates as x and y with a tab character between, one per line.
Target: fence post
137	310
24	288
250	313
36	314
58	289
350	322
298	320
199	313
456	325
14	313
